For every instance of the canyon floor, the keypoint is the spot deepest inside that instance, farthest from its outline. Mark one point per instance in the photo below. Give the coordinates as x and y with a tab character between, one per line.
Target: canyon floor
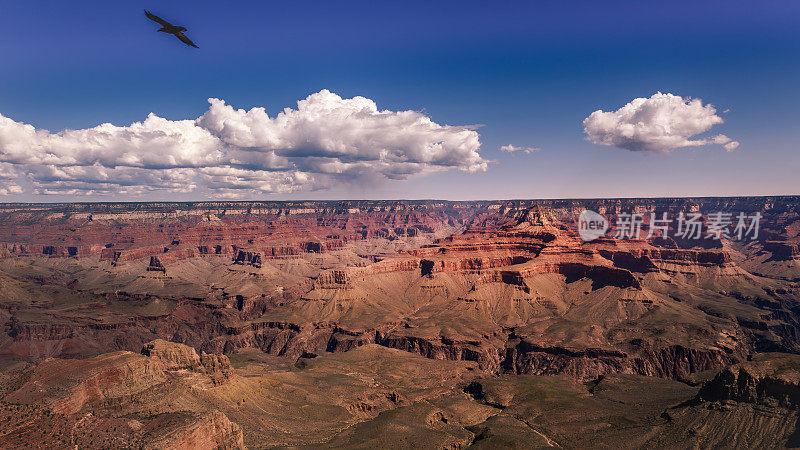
403	324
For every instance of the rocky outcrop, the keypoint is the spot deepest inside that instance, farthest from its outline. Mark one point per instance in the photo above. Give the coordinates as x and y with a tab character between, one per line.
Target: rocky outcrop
771	379
672	361
174	357
155	265
115	377
782	250
248	258
212	430
67	386
145	401
334	279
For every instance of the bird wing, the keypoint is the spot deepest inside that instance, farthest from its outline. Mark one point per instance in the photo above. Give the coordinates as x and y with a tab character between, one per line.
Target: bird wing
185	39
155	18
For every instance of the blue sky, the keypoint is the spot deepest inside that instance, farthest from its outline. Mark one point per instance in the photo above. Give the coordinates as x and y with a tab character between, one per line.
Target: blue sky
528	72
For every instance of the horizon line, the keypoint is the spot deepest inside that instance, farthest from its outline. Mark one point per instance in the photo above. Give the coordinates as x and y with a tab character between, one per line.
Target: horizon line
397	200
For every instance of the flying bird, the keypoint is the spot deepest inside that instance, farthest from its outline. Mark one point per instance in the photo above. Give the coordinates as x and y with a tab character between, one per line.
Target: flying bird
167	27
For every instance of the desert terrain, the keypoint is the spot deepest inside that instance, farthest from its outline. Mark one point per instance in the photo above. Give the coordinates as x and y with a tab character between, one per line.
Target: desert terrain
405	324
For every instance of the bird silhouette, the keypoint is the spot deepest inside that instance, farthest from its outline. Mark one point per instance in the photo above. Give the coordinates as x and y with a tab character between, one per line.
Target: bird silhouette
169	28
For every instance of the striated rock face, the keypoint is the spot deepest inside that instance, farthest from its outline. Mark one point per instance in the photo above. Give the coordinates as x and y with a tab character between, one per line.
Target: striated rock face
754	404
68	386
782	250
770	379
357	324
209	430
333	279
143	401
274	402
173	356
509	285
155	265
375	397
676	362
249	258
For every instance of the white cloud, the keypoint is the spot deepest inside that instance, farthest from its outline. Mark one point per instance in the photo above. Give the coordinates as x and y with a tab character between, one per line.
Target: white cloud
325	141
660	123
721	139
349	132
512	148
727	143
7	188
154	143
731	146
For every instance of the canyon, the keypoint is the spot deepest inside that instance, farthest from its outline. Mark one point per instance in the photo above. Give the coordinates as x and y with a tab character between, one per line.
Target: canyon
397	323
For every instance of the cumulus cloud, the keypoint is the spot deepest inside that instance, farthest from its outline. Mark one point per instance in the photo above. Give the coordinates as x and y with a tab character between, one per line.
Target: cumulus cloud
731	146
348	132
727	143
513	148
10	188
660	123
326	141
